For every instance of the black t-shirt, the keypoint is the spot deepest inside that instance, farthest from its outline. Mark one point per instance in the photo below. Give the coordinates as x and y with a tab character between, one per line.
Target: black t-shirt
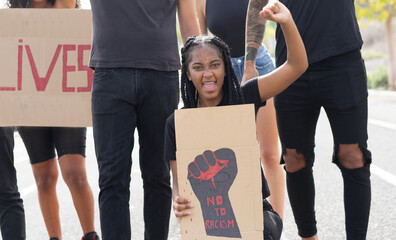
250	94
226	19
135	34
328	28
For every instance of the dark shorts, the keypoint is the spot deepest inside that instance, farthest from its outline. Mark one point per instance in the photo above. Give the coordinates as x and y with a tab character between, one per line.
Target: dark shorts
339	85
41	142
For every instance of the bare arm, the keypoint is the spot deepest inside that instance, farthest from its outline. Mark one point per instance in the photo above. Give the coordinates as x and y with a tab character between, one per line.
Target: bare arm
180	204
296	63
65	4
255	27
201	6
187	19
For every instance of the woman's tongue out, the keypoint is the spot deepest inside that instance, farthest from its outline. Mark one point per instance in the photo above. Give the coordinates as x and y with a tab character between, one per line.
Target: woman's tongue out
209	86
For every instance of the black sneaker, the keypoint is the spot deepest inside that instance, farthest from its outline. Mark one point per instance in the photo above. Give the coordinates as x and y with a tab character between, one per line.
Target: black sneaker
90	236
54	238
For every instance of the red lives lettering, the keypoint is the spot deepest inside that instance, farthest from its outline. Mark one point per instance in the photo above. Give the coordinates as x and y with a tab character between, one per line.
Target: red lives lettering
20	51
41	82
67	68
81	67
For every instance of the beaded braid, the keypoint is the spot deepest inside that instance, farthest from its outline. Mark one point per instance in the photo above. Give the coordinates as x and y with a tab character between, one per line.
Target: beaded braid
232	93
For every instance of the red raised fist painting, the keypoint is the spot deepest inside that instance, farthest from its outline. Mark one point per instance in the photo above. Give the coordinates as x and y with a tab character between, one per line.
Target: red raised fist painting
211	176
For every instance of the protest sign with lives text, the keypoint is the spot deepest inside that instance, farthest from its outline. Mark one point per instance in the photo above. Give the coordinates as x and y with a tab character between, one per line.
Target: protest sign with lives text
45	79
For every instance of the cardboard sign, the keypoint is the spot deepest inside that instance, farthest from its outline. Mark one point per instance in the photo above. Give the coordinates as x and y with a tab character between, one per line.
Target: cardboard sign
45	80
218	167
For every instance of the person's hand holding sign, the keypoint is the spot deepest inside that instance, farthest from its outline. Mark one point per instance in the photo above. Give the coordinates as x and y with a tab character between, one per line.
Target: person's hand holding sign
211	175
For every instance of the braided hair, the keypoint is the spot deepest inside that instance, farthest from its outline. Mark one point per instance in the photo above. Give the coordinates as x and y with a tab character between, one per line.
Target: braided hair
232	93
25	3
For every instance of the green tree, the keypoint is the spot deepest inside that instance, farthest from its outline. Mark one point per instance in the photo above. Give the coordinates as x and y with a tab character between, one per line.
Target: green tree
383	11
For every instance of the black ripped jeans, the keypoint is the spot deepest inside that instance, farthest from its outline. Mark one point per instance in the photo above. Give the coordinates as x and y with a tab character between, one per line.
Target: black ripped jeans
339	85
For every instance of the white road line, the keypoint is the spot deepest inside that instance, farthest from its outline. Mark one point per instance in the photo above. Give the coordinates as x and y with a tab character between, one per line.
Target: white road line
387	176
380	123
26	191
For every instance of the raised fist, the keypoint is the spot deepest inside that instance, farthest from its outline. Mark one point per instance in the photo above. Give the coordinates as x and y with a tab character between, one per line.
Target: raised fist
211	175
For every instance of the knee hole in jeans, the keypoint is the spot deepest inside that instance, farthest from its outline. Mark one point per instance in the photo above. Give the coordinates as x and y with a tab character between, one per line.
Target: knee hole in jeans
295	161
350	156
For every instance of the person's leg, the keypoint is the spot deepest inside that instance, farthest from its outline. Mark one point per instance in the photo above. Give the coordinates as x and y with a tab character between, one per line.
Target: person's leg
12	215
74	174
70	145
297	116
158	98
347	113
267	136
114	121
39	145
357	189
46	176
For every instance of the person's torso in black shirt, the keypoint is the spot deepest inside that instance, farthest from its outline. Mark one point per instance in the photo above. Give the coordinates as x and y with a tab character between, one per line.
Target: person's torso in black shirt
327	27
226	19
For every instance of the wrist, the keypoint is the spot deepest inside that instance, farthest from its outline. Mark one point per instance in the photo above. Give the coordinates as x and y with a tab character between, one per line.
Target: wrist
249	65
288	20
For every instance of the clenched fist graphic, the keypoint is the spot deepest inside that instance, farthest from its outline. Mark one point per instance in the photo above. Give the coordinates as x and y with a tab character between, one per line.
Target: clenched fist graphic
211	175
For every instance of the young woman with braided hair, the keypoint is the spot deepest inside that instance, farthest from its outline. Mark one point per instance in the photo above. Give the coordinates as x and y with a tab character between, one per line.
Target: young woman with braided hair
208	80
69	143
216	16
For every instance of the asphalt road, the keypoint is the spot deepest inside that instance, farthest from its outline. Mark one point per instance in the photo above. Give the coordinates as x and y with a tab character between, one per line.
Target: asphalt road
329	206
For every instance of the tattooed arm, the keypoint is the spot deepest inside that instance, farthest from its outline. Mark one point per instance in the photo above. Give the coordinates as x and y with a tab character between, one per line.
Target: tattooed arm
255	27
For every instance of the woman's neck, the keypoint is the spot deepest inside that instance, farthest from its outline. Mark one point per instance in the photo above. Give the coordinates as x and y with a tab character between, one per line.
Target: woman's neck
209	103
39	4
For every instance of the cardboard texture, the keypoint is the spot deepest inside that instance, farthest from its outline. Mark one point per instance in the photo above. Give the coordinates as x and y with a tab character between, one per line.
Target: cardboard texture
218	167
45	80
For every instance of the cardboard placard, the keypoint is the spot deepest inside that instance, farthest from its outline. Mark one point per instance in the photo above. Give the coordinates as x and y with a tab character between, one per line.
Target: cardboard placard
218	167
45	79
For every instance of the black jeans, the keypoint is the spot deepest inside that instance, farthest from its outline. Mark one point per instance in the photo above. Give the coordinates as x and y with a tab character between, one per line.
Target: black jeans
124	99
339	85
12	215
